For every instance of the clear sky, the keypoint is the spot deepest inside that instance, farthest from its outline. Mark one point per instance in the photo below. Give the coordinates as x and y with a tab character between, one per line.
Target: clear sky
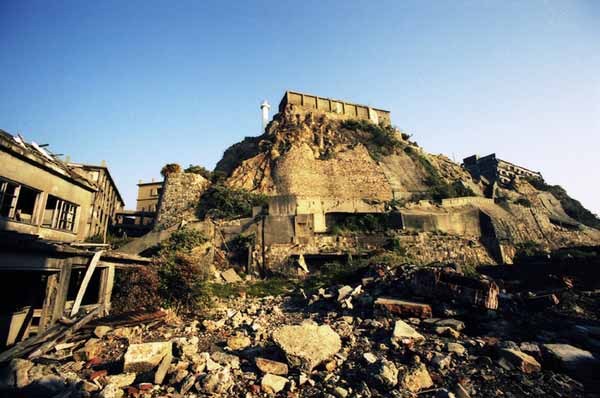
143	83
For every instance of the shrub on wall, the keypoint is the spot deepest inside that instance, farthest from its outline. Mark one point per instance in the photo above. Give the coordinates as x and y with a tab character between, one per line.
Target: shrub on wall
170	168
379	140
222	202
197	169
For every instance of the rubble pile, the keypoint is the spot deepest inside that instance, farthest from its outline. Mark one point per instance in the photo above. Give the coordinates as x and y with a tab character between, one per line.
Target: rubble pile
387	335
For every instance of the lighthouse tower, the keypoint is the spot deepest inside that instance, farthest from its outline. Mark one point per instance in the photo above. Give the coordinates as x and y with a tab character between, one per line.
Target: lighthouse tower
264	109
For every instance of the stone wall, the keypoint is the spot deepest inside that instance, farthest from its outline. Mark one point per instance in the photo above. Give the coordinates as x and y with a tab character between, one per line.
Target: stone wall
180	195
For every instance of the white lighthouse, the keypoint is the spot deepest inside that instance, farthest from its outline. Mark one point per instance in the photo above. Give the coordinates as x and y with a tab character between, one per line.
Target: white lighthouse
264	109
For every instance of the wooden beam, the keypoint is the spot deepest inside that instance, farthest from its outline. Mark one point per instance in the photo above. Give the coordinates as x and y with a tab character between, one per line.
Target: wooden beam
52	285
62	291
106	287
86	280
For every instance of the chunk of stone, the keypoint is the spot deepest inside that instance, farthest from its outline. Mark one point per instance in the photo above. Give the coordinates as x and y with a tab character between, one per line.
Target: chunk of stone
121	380
456	348
404	333
524	362
370	357
340	392
161	372
21	367
404	308
225	359
416	378
230	276
571	359
272	367
272	384
101	331
307	345
238	342
146	356
217	382
461	392
385	374
453	323
344	292
111	391
88	386
447	331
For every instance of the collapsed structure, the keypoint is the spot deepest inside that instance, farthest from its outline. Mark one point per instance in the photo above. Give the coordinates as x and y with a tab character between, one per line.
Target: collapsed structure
48	208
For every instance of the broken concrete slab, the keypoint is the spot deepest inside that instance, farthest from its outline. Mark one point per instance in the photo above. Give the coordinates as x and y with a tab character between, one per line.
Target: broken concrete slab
573	360
146	356
306	346
230	276
404	333
404	308
524	362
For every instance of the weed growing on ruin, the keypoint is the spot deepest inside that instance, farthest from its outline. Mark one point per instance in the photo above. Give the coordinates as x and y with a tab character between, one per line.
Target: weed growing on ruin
197	169
222	202
379	140
170	168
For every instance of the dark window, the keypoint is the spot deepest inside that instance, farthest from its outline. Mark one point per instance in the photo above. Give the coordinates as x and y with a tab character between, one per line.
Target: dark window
59	214
17	202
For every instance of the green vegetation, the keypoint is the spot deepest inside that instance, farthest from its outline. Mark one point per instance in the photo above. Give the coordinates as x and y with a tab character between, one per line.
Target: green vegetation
379	140
197	169
573	208
170	168
360	223
222	202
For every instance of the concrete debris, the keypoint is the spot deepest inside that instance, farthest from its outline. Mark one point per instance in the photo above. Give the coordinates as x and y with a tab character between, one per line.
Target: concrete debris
230	276
272	367
307	345
404	333
272	384
524	362
146	356
404	308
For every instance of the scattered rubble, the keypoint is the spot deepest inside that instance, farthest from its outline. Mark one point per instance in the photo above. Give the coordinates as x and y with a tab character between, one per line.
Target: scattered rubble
291	346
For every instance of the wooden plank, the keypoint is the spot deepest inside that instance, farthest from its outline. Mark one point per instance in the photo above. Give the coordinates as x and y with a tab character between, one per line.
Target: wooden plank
86	280
108	279
63	290
49	301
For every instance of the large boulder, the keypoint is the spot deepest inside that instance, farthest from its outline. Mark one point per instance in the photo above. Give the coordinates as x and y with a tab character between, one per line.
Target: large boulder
307	345
146	356
579	363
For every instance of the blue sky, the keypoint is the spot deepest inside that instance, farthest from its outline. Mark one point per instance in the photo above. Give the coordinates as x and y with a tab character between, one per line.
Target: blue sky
143	83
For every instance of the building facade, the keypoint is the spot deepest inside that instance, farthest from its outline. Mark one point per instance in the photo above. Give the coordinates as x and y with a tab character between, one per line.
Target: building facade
345	110
40	195
107	200
141	220
497	170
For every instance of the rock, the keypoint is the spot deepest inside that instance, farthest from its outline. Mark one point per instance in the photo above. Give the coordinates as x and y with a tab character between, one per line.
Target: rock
90	350
238	342
307	345
340	392
370	357
447	331
404	308
21	367
385	374
572	359
101	331
161	372
416	379
272	384
456	348
404	333
146	356
453	323
111	391
524	362
272	367
225	359
531	349
217	382
121	380
344	292
186	347
440	360
230	276
89	386
461	392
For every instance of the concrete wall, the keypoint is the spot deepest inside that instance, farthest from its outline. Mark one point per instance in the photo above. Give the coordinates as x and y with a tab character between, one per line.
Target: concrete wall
148	196
180	196
460	222
342	108
45	182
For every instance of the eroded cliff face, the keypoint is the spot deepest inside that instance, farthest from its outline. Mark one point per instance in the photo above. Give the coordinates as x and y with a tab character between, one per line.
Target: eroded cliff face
312	154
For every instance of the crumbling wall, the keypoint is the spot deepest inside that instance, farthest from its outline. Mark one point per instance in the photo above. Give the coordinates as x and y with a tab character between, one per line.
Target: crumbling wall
180	195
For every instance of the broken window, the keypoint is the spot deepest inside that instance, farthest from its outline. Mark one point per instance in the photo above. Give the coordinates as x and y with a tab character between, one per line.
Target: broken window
59	214
17	202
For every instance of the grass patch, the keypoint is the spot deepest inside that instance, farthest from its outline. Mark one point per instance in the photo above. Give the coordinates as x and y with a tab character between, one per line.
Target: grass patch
379	140
222	202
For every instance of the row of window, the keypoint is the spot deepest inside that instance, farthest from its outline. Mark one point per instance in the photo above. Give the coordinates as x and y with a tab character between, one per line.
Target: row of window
20	203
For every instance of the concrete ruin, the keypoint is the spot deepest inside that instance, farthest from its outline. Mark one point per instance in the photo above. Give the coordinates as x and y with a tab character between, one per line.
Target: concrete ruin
48	209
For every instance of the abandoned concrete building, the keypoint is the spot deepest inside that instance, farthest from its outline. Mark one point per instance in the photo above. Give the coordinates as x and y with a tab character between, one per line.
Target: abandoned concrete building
141	220
495	169
47	209
342	109
107	200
